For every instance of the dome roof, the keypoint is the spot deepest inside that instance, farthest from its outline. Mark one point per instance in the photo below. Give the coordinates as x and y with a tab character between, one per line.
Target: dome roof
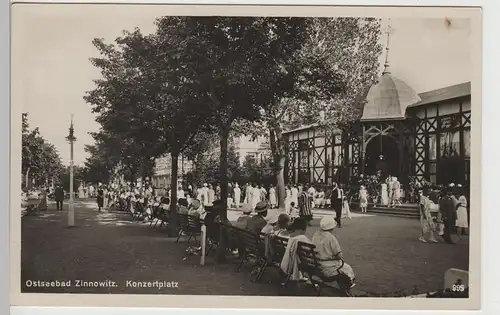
388	99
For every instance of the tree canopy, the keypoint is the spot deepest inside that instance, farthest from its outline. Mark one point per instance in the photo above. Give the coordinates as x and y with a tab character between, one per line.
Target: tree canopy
40	159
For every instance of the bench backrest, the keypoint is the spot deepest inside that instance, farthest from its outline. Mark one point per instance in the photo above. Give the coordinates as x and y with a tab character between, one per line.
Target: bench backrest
194	223
308	262
251	242
183	220
231	234
279	245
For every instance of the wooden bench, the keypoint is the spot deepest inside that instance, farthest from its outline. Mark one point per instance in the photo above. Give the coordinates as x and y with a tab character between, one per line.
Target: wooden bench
188	224
309	265
252	246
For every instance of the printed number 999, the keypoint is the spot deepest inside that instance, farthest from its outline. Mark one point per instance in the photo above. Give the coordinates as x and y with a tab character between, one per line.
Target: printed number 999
458	288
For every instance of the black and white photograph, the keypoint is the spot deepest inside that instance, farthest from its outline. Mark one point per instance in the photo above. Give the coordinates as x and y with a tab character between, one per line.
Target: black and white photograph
259	155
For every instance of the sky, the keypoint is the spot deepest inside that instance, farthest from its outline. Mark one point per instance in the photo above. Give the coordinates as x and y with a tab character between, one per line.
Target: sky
53	47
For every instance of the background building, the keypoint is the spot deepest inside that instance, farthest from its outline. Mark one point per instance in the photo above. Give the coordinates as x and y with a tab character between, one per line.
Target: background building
163	170
424	135
246	146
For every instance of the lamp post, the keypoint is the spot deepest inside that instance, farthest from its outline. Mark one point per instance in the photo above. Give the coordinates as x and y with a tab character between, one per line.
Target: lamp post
71	212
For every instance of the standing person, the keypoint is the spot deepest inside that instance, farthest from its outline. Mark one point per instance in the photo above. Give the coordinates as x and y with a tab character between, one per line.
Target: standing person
91	191
311	191
237	195
288	199
248	193
263	193
305	210
59	197
461	223
217	192
295	194
448	215
389	182
396	192
426	223
336	202
42	206
363	198
272	197
100	197
106	196
346	210
320	198
180	193
211	195
255	195
204	195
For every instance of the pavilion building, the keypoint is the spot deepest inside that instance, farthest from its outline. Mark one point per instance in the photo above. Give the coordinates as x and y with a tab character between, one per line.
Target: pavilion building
423	136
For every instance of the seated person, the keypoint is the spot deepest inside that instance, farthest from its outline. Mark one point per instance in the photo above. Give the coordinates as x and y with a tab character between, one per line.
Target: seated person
329	253
183	204
195	208
270	226
241	222
258	221
281	228
289	263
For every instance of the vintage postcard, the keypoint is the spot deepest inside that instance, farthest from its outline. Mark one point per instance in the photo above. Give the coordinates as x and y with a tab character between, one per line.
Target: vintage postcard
297	156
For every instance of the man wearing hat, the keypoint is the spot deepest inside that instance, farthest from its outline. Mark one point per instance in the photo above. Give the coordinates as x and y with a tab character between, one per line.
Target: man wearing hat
257	222
448	214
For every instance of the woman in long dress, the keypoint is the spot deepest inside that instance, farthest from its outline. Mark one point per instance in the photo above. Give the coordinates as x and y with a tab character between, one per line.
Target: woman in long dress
461	222
272	197
384	195
237	195
396	192
363	199
426	222
295	195
329	253
288	199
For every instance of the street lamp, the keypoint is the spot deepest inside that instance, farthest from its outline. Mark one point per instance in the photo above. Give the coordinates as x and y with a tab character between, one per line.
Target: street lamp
71	212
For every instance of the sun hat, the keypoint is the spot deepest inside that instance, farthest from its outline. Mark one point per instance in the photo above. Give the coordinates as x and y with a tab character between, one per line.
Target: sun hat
273	219
247	209
451	185
261	207
459	186
327	223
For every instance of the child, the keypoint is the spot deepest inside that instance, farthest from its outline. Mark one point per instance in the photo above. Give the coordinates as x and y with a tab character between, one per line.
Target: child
294	212
440	224
346	211
363	198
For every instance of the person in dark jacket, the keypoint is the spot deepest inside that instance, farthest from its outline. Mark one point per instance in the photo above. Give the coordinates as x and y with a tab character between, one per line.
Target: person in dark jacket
448	215
258	221
100	197
336	202
59	197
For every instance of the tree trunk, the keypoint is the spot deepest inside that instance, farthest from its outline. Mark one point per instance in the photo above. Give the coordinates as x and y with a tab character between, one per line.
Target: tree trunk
278	152
174	156
27	177
223	169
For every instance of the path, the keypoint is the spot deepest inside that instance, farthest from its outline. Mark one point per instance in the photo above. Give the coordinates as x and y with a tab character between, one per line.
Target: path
384	252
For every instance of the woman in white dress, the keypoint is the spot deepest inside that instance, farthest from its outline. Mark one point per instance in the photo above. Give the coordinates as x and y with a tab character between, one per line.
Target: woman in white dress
237	195
295	195
288	199
396	192
384	195
256	195
272	197
461	223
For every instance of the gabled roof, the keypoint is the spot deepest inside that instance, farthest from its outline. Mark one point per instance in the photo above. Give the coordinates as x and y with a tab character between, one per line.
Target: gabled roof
443	94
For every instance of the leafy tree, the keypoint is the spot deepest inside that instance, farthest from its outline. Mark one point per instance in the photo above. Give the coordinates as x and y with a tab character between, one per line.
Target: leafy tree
229	60
40	160
335	67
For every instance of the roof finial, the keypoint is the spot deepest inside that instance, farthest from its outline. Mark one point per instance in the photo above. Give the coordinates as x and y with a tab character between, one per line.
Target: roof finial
386	63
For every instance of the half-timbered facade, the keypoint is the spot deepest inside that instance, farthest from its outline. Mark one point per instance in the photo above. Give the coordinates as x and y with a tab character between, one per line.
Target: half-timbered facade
424	135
